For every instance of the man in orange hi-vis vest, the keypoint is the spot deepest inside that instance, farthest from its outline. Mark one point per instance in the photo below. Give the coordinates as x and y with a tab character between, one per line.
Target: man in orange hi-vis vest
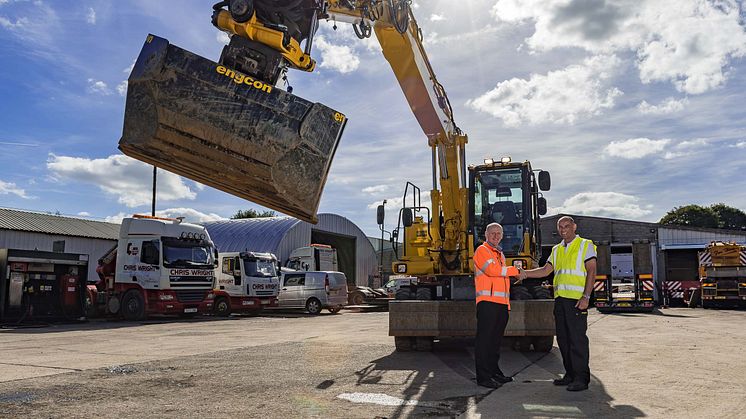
492	282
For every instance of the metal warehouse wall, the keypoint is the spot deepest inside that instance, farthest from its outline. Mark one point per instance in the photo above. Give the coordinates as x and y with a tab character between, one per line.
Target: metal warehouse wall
94	248
671	236
367	264
600	229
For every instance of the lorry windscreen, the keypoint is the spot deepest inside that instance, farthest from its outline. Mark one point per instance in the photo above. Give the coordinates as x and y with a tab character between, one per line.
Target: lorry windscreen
179	253
261	268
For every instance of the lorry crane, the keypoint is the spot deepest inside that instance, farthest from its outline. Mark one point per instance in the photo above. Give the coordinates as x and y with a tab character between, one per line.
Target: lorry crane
275	148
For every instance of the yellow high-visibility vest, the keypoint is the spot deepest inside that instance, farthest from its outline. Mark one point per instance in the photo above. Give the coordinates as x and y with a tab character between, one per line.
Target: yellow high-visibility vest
569	268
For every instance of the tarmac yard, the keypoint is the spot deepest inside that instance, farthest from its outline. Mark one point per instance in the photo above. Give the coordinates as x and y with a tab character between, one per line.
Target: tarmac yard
672	363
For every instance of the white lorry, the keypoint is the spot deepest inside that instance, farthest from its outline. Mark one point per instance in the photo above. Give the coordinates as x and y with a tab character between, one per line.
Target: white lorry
159	266
246	282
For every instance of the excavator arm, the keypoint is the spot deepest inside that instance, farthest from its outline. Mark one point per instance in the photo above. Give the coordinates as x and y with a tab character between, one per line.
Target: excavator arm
226	125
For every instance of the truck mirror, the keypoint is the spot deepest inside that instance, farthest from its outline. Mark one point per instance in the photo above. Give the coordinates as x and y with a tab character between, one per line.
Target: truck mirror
542	206
380	211
406	217
545	181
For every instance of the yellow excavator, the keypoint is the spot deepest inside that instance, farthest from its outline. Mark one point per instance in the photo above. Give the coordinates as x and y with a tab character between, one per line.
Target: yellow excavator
226	124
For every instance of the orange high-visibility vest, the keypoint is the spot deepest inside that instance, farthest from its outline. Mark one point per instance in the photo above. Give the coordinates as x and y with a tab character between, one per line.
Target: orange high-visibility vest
491	275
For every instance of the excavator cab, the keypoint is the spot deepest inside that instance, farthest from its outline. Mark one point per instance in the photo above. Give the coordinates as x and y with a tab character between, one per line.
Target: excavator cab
227	129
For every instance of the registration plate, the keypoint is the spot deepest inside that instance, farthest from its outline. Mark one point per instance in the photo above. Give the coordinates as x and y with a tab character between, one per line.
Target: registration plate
190	310
624	305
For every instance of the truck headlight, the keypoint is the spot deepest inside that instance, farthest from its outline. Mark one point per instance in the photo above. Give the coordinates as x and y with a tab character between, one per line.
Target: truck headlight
210	296
165	297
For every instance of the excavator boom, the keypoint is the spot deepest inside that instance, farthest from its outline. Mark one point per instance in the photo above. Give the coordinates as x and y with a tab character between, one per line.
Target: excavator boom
228	130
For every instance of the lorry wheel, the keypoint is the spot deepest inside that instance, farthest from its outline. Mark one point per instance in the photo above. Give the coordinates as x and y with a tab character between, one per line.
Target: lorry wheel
313	306
357	299
541	293
520	292
423	343
424	294
403	294
133	306
222	307
404	343
543	343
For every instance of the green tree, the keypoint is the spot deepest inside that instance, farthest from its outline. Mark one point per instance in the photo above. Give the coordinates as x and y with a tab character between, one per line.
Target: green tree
692	216
729	218
252	213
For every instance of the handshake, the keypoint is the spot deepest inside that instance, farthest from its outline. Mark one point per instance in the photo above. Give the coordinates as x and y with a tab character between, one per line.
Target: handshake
521	276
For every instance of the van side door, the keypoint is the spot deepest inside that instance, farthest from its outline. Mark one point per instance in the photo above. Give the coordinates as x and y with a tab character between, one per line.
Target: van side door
291	293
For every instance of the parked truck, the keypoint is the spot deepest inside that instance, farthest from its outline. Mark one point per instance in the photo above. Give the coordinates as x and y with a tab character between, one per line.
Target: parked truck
322	257
159	266
246	282
722	274
625	282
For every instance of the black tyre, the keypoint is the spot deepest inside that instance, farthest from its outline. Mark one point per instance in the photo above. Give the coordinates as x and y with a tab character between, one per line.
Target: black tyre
334	310
520	292
222	307
404	343
403	294
313	306
543	343
423	343
424	294
91	311
541	293
133	306
357	299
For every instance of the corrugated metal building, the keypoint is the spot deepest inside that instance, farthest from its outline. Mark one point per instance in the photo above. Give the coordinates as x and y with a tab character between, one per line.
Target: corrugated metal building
674	247
281	235
27	230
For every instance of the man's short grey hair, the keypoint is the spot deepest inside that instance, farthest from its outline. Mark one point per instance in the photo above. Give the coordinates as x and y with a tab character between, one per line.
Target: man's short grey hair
565	217
492	226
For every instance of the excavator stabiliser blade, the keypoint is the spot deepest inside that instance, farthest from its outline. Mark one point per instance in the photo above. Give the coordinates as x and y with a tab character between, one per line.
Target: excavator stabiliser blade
222	128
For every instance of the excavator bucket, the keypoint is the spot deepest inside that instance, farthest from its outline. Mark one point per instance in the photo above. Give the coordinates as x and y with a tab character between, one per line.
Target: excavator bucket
222	128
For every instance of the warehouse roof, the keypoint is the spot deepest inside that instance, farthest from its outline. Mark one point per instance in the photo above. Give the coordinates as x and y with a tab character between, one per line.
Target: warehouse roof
264	234
37	222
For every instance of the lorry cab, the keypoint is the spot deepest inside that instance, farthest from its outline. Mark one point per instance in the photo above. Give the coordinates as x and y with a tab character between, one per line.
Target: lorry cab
246	282
313	290
316	257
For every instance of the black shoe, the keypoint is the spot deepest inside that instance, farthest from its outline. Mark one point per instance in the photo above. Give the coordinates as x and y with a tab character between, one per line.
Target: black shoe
566	380
502	379
576	386
490	382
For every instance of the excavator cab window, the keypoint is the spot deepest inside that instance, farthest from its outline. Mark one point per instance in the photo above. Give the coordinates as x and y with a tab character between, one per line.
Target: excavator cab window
499	198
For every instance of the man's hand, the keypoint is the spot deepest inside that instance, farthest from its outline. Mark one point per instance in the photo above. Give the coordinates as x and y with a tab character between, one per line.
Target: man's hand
521	276
582	303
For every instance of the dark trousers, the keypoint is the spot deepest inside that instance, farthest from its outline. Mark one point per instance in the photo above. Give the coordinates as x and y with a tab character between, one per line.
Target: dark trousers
491	321
571	325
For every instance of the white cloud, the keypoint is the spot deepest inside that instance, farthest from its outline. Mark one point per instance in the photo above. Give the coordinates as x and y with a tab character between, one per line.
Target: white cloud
390	203
129	69
740	144
116	219
688	43
84	214
375	189
436	18
635	148
90	17
603	204
7	188
128	179
340	58
223	38
98	86
668	106
122	88
687	148
190	215
562	96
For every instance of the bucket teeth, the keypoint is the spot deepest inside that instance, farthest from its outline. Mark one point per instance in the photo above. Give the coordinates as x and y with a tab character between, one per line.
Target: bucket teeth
211	124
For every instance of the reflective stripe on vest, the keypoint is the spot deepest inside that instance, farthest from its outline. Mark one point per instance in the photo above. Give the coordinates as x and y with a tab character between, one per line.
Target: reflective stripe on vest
569	269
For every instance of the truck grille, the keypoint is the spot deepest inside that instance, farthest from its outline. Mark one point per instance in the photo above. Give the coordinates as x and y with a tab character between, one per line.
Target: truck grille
190	296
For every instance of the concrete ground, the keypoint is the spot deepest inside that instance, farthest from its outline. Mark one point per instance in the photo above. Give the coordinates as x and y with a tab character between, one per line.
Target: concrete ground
672	363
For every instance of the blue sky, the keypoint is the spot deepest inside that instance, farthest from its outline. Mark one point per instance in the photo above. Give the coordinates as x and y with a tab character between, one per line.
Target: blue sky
634	106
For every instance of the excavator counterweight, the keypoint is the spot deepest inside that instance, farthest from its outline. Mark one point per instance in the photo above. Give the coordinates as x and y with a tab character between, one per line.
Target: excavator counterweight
225	129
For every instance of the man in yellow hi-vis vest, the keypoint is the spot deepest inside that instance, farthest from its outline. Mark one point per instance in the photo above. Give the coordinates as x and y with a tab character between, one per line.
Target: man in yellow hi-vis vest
492	285
574	264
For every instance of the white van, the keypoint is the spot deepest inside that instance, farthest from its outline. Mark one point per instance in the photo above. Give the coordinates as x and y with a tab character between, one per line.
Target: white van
313	290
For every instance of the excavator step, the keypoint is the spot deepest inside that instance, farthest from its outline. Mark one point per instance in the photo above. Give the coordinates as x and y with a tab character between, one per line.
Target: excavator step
222	128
